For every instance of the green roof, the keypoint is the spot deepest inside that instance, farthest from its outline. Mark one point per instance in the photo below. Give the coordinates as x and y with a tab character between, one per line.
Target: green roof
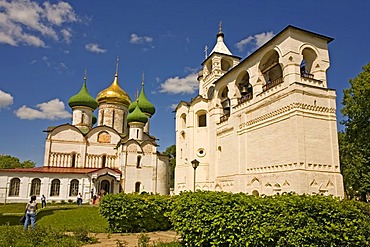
132	106
137	116
83	98
144	104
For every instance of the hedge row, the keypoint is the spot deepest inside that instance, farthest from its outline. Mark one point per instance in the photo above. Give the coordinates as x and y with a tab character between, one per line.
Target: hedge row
136	213
225	219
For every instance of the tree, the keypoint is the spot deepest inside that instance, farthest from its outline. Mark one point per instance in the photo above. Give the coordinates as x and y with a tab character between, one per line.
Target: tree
355	140
171	152
8	162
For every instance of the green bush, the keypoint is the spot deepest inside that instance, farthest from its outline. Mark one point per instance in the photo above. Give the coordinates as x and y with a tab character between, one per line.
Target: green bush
135	213
225	219
40	236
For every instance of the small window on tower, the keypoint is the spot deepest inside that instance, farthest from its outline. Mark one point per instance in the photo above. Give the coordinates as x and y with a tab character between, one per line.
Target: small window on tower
202	120
138	162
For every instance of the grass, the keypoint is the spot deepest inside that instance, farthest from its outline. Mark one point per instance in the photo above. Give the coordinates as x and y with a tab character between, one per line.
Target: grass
62	217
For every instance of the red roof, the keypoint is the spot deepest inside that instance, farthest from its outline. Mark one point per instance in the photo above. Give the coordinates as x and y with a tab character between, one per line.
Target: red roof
48	169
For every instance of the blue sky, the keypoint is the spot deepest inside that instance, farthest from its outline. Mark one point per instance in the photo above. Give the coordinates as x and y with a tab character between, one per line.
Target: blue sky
45	47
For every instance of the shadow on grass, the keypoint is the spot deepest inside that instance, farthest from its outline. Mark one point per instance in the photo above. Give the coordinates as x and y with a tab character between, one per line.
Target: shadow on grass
13	220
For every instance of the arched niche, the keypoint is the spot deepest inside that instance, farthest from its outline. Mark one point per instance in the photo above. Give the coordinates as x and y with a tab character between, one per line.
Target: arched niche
271	70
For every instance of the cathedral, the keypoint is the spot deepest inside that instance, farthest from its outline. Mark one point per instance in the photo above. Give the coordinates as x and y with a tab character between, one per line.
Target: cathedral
262	125
109	154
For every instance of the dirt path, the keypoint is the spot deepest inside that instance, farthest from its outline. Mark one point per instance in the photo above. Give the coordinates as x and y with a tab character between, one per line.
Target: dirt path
131	239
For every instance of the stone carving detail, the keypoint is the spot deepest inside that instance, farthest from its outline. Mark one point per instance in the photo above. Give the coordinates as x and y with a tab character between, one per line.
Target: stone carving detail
301	106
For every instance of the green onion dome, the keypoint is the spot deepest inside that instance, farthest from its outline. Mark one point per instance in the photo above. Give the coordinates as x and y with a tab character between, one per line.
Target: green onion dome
144	104
132	106
83	98
137	116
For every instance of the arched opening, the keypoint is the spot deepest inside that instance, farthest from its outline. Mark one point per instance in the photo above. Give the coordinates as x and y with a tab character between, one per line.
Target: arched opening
255	193
245	88
137	187
225	103
219	151
14	187
113	117
226	64
55	187
105	185
271	70
103	161
138	161
35	187
137	134
73	187
306	66
183	121
73	161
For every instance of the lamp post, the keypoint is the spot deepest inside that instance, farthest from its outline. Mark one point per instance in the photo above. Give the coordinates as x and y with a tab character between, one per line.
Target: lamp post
194	164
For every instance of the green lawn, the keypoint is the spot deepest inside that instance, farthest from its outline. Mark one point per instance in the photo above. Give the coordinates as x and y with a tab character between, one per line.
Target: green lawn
59	217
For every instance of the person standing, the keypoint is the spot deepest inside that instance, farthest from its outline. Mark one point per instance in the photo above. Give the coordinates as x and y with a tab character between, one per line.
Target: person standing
31	209
79	199
43	201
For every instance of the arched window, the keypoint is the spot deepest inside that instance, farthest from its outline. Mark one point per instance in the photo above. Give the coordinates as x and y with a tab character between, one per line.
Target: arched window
35	187
225	101
55	187
73	161
271	70
137	134
183	121
101	117
202	120
113	117
306	66
138	161
245	89
73	187
137	187
14	187
103	161
82	117
225	64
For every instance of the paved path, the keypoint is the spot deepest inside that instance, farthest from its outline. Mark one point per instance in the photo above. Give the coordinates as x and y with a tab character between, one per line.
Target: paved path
130	239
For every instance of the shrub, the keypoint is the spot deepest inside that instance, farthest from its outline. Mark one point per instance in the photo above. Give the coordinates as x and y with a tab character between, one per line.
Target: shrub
220	218
135	213
40	236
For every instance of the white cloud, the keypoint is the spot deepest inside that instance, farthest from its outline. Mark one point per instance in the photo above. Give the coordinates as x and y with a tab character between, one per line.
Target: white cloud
5	99
256	41
173	106
178	85
93	47
26	22
53	110
135	39
67	35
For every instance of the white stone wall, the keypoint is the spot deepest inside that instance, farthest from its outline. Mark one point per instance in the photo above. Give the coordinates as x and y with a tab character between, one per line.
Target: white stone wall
283	139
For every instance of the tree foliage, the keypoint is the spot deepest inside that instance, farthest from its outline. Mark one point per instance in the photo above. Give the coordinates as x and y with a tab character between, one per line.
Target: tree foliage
8	162
354	141
171	152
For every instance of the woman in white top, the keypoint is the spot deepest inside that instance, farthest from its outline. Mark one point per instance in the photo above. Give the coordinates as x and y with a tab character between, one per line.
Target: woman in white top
31	209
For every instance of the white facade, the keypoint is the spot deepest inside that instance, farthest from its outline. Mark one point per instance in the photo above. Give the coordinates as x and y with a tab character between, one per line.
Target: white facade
263	125
94	159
